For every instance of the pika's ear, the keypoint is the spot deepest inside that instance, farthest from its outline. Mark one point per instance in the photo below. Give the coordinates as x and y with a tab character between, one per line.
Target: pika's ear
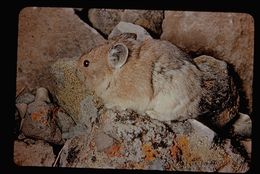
117	55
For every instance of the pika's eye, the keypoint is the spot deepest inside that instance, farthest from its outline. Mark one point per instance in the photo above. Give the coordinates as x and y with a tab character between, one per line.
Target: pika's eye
86	63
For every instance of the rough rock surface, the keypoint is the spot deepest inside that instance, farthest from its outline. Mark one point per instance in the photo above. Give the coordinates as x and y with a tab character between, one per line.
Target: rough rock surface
226	36
106	19
132	141
37	153
39	121
45	35
126	27
220	101
242	127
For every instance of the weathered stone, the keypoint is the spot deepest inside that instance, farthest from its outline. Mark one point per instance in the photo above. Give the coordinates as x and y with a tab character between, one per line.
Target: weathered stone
226	36
22	108
103	141
202	131
36	154
40	124
140	142
126	27
242	126
151	20
42	94
220	101
45	35
64	121
26	98
228	166
77	130
106	19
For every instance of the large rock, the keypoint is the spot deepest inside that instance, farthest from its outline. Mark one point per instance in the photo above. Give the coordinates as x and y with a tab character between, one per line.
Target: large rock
45	35
220	101
39	121
37	153
226	36
126	140
106	19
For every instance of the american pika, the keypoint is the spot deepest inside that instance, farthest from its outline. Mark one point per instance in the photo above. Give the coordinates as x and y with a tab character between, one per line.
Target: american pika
150	76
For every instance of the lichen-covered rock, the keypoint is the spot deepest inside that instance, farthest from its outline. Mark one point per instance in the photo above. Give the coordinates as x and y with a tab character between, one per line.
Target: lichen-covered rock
39	122
37	153
133	141
226	36
106	19
220	101
45	35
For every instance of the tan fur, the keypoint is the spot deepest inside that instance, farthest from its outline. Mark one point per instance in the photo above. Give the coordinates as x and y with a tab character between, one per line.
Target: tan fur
157	79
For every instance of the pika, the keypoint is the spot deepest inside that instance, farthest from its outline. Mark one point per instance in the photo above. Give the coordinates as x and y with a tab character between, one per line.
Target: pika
152	77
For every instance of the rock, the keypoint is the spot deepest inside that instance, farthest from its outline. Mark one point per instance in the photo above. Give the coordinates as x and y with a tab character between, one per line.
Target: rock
88	110
40	124
132	141
42	94
247	144
103	141
157	164
106	19
228	165
220	101
151	20
45	35
22	108
71	93
202	131
126	27
242	126
226	36
64	121
36	154
26	98
77	130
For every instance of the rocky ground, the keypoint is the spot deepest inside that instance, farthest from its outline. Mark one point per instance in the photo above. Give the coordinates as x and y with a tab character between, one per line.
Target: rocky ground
59	123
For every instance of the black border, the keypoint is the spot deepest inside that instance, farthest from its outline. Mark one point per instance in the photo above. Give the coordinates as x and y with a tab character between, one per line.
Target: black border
11	24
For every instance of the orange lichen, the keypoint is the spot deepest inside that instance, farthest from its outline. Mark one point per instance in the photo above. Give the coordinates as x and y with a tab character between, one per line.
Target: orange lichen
114	150
149	152
175	151
39	116
183	147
